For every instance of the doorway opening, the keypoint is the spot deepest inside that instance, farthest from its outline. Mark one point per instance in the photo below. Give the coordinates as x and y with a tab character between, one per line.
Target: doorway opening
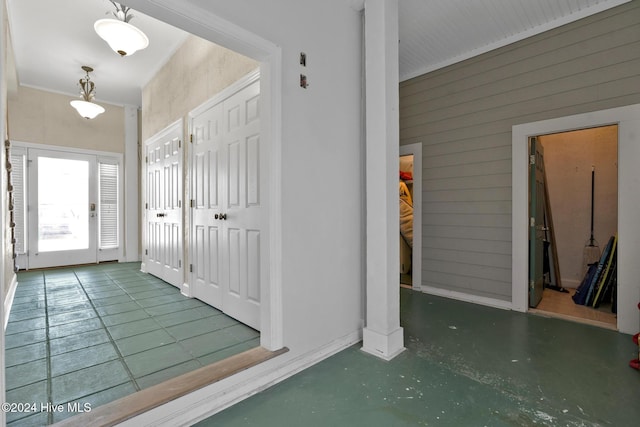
628	122
406	219
579	205
410	195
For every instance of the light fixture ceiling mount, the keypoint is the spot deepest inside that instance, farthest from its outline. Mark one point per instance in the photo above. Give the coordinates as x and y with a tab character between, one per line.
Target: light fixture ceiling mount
85	107
122	37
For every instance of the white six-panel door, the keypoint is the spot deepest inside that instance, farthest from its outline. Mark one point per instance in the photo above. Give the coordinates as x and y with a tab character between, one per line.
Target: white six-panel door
164	206
206	190
228	241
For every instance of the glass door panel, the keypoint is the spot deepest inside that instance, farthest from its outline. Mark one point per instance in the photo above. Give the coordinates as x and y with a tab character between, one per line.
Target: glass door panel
63	215
63	201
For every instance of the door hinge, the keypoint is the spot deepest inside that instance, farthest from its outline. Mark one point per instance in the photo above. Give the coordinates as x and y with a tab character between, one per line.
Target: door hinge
146	159
532	285
146	205
179	263
190	268
191	138
191	203
146	252
179	203
532	159
179	143
532	222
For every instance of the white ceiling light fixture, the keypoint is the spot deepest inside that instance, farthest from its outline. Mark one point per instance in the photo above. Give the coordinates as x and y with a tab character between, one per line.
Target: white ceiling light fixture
85	107
122	37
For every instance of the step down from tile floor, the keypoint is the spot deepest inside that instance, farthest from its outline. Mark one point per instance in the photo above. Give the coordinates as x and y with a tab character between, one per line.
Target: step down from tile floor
127	407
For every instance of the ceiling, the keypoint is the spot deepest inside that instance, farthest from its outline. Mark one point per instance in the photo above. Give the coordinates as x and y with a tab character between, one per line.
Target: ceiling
437	33
52	39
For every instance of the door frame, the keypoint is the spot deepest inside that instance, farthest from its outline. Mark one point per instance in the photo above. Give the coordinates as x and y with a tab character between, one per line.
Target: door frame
416	254
628	120
119	157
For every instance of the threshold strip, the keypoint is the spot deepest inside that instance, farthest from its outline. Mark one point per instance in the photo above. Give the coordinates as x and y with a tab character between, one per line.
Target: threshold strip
144	400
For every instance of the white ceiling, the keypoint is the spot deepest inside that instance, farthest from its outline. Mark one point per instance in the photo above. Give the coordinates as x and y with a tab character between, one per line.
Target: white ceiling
52	39
437	33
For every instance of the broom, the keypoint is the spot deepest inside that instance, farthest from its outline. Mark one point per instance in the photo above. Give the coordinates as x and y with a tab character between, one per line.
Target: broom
591	251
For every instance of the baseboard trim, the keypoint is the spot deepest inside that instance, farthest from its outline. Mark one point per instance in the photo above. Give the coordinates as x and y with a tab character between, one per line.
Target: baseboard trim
211	400
8	301
461	296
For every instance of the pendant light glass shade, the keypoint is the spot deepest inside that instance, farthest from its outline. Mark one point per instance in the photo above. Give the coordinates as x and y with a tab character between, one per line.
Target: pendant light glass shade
84	106
122	37
88	110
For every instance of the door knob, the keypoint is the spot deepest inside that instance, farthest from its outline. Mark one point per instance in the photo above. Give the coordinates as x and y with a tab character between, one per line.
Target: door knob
223	216
215	216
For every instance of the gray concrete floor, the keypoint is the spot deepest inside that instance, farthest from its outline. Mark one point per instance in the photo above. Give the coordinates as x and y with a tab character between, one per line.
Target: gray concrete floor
465	365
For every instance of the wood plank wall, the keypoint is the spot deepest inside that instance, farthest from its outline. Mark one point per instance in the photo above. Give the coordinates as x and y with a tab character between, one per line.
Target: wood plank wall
463	116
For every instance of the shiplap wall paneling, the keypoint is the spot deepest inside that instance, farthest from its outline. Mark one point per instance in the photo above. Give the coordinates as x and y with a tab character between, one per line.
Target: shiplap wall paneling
463	115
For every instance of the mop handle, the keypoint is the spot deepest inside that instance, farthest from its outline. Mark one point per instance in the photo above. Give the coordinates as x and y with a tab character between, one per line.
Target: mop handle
593	168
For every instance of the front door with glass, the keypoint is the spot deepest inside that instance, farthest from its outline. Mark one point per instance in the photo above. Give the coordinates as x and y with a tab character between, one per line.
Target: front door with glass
62	209
72	208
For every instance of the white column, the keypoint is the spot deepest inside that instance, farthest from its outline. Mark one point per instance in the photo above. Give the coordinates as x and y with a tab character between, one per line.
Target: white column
382	335
131	195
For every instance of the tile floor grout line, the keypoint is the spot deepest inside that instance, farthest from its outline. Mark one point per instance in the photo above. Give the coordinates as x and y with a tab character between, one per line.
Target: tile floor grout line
111	339
47	349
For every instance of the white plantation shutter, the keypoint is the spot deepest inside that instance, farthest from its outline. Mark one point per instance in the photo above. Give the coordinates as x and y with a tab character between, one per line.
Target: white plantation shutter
18	170
108	206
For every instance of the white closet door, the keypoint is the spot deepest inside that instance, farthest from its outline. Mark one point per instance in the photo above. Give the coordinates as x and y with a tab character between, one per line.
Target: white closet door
207	274
164	206
154	208
229	256
244	250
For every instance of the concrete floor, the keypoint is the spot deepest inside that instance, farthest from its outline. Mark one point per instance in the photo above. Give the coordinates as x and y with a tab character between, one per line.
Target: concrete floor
93	334
465	365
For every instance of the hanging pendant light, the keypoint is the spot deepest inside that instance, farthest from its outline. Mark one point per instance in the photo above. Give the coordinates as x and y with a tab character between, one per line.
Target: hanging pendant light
85	107
122	37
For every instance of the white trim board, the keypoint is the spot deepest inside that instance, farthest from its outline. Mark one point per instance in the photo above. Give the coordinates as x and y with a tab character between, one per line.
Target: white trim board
97	153
416	258
461	296
8	300
628	121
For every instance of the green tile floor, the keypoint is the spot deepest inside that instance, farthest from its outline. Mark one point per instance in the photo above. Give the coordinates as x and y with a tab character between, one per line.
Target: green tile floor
465	365
93	334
